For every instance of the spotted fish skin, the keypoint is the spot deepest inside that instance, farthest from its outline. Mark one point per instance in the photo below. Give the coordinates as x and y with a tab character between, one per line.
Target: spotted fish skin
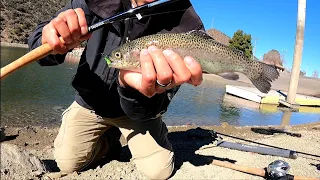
214	57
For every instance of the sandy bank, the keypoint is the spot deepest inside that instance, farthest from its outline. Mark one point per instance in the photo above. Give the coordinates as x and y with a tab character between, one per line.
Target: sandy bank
192	153
6	44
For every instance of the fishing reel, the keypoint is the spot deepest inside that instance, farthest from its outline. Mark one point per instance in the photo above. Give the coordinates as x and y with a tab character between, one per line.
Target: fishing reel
214	135
278	170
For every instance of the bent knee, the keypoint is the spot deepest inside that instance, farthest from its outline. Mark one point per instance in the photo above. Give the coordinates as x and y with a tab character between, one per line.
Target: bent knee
70	162
157	166
68	165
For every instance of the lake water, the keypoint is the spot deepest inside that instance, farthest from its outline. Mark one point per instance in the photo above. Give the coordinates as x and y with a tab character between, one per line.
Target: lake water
36	95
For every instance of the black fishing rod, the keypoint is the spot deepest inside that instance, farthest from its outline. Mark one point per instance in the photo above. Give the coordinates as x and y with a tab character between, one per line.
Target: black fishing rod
130	13
45	49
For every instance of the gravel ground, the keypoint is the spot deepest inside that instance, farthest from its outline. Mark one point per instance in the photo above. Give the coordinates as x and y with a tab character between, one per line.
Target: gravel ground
192	156
193	150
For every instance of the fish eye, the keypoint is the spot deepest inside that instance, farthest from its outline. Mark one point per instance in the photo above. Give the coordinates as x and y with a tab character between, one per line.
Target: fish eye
118	55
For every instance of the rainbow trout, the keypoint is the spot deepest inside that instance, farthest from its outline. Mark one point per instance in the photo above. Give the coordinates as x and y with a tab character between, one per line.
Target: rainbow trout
214	57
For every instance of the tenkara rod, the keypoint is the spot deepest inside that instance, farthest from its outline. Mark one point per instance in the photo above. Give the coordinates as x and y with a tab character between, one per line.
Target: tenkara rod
44	50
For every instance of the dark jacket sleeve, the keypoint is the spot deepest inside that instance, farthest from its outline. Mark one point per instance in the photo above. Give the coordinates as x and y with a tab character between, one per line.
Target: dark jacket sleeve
34	40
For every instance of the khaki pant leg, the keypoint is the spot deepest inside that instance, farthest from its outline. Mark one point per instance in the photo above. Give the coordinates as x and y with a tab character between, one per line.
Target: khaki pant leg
78	142
151	151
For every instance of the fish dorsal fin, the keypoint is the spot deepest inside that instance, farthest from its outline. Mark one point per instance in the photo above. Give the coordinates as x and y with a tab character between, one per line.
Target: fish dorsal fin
200	33
203	34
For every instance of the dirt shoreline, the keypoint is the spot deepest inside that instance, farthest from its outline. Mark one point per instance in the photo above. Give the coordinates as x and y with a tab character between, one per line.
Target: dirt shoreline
191	156
18	45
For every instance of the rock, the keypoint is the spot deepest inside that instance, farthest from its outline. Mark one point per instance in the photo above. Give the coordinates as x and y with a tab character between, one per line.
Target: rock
18	163
59	109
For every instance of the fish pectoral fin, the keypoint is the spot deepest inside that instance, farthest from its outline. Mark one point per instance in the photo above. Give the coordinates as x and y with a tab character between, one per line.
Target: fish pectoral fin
229	75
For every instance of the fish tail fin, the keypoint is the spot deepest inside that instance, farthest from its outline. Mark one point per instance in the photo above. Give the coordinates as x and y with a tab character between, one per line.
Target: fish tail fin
263	77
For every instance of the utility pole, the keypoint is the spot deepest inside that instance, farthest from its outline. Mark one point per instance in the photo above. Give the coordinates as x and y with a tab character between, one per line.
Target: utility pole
294	80
254	47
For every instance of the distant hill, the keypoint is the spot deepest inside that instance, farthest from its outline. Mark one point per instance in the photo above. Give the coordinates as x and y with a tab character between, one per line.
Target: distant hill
19	17
219	36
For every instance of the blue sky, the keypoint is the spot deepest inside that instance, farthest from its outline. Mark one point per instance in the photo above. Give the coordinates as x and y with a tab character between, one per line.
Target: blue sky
273	22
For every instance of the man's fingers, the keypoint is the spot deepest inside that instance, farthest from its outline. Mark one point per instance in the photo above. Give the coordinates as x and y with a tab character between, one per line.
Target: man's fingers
82	21
144	82
50	36
181	72
163	69
148	72
62	29
195	70
129	78
73	24
185	70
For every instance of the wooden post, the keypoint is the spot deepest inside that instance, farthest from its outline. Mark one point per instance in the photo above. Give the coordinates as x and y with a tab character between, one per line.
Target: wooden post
294	80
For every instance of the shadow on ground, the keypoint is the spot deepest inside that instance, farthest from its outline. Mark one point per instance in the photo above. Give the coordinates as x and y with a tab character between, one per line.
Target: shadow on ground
185	144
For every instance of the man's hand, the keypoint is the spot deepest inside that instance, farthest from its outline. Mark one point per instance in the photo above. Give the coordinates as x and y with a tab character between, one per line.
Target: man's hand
71	26
166	67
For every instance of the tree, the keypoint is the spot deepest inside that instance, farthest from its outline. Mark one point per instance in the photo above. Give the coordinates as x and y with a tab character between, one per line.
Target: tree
242	42
315	74
302	73
273	57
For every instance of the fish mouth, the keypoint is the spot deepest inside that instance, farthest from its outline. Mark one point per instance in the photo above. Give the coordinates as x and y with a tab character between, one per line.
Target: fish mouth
116	64
112	63
125	68
108	61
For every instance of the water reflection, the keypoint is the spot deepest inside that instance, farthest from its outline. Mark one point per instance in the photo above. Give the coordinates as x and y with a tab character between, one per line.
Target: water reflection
33	94
209	104
286	118
36	95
